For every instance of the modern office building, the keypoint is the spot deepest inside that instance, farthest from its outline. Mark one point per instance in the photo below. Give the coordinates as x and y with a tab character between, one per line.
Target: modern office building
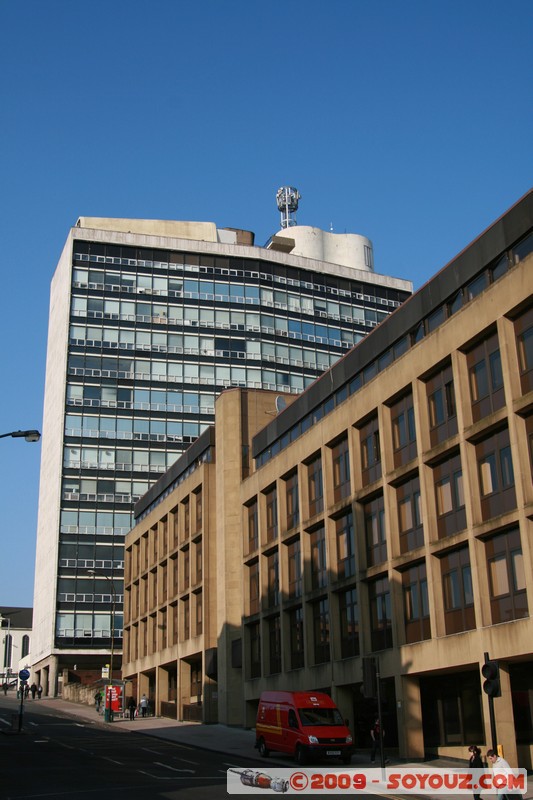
149	321
386	512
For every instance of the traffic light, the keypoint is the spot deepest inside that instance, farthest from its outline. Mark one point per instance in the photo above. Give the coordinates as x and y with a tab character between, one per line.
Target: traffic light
369	688
491	672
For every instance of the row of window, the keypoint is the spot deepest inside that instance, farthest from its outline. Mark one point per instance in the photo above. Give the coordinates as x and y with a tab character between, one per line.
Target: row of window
447	509
214	266
223	346
523	328
177	622
332	335
211	291
336	622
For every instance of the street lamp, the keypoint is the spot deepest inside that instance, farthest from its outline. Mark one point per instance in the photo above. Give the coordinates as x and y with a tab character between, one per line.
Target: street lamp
30	436
108	708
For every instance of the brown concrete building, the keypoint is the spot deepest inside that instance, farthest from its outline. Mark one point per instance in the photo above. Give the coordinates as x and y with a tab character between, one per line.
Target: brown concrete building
387	512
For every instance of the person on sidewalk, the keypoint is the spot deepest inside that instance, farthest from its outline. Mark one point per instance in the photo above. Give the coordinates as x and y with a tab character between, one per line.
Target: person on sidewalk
33	690
475	762
39	691
98	701
144	705
500	767
376	734
132	705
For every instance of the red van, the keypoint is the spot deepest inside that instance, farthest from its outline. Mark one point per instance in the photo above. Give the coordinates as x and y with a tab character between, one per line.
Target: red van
304	724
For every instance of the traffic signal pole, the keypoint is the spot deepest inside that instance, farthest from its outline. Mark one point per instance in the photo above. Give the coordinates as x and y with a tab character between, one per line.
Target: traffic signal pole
378	691
491	671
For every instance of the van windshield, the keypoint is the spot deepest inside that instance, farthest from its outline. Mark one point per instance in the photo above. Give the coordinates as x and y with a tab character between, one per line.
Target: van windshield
320	716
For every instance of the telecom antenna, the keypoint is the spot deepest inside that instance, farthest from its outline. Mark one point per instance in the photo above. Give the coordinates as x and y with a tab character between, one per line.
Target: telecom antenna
287	199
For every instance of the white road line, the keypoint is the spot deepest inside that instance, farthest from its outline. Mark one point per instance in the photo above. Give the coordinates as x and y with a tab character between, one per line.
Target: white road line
167	766
186	760
4	721
157	752
106	758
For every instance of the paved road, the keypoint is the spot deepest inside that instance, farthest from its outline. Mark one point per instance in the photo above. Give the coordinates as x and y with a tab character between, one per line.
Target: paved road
60	757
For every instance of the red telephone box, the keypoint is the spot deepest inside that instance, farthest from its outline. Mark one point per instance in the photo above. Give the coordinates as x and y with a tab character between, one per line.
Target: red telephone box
115	704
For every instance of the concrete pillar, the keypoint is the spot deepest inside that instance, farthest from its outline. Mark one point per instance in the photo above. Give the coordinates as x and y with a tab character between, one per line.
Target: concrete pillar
409	714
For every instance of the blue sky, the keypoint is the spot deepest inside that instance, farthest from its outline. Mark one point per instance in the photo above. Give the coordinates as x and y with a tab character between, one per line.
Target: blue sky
409	122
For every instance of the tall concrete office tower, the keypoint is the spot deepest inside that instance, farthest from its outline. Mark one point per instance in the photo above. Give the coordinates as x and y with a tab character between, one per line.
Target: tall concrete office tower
149	321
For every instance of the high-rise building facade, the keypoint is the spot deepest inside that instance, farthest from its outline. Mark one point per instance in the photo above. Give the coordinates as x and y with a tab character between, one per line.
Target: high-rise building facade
149	321
385	513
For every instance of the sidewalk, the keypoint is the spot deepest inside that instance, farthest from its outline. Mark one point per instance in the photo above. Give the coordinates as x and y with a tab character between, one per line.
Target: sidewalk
235	742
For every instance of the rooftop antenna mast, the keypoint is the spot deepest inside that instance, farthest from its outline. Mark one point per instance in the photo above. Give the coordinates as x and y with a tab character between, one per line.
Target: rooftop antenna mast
287	199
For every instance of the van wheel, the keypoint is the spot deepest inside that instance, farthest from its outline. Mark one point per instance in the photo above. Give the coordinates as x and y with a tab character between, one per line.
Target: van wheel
264	752
300	756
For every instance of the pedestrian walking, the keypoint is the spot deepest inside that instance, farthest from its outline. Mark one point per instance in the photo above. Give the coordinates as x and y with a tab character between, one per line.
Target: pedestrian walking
144	705
377	734
475	762
5	686
33	690
39	691
26	690
500	767
98	701
132	705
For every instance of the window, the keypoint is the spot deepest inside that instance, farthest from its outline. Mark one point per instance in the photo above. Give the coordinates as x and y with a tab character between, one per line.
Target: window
295	569
403	431
507	583
441	401
319	576
253	529
409	515
199	614
345	546
198	503
296	628
524	341
449	496
274	645
273	579
321	630
380	614
254	638
315	485
496	475
416	604
272	514
370	452
376	542
486	378
293	506
186	612
253	585
341	470
457	591
349	619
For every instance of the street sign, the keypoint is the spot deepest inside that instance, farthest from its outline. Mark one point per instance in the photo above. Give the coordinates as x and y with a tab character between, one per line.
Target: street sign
24	674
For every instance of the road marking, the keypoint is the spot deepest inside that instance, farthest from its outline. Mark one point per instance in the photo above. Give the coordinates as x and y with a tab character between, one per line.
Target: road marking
167	766
157	752
185	760
106	758
4	721
179	777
